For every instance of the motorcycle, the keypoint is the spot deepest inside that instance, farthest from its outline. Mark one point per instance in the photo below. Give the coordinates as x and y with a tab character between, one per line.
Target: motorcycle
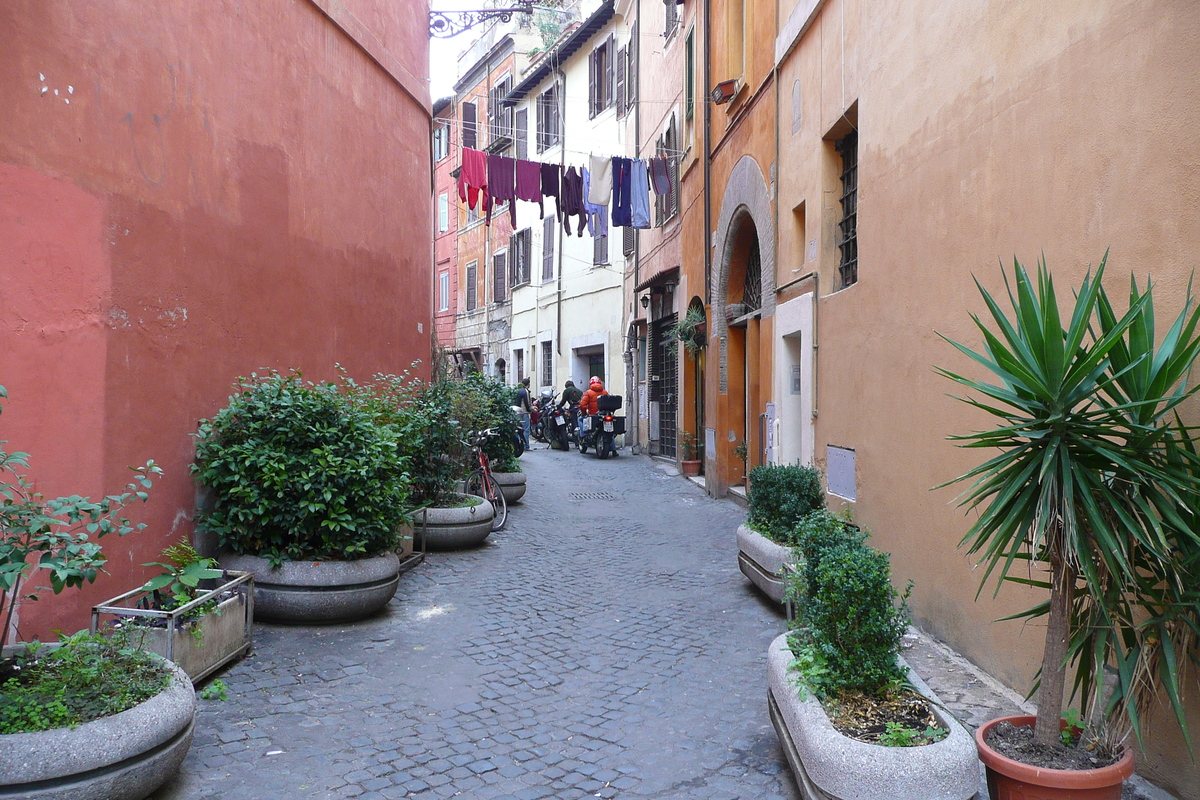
599	431
558	424
539	421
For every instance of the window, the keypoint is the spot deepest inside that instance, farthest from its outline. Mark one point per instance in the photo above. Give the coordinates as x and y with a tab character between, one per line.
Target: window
521	133
623	104
500	116
500	267
473	213
600	78
441	142
518	249
667	205
519	358
689	76
472	266
599	250
631	78
443	213
444	291
628	241
549	129
547	364
469	124
548	226
672	21
847	148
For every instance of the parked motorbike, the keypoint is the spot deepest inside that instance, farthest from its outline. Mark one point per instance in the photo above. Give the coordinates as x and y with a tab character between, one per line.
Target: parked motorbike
539	421
519	443
558	424
599	431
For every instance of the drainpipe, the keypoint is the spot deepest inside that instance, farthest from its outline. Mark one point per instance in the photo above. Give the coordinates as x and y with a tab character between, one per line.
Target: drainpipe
637	149
562	165
707	156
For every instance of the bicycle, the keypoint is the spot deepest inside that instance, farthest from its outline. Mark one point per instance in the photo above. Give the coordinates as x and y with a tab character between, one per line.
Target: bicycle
481	483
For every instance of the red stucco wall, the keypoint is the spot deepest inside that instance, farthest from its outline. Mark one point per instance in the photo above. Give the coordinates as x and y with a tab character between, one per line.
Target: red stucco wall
231	187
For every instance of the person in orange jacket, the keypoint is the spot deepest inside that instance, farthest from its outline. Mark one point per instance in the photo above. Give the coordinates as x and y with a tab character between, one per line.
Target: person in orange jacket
587	403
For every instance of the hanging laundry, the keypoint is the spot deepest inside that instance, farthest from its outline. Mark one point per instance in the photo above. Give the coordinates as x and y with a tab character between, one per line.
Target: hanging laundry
550	187
621	212
502	186
529	183
660	176
597	215
472	177
601	184
639	195
572	200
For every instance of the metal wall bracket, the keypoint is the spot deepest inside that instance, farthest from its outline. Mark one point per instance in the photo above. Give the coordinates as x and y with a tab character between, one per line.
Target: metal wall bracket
444	24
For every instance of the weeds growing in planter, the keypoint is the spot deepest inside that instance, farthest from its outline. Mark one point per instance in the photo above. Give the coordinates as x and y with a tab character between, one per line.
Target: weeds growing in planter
86	678
300	471
781	497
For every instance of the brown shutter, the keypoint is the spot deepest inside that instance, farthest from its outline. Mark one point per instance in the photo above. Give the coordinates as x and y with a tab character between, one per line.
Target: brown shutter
622	71
469	126
610	50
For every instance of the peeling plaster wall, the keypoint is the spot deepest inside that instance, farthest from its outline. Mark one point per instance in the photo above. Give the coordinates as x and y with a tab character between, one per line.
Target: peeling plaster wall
189	193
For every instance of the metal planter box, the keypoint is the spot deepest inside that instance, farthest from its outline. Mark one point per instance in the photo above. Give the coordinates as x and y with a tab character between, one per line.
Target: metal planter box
200	645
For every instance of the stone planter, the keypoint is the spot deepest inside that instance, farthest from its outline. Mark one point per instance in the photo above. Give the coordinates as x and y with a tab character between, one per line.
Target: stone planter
199	645
763	561
830	766
125	756
454	528
1012	780
512	485
319	592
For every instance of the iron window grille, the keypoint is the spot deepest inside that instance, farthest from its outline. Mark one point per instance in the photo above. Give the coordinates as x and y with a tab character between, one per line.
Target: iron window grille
847	148
752	289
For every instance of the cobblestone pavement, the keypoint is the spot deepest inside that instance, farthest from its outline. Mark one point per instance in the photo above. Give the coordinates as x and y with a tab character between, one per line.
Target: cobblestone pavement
604	645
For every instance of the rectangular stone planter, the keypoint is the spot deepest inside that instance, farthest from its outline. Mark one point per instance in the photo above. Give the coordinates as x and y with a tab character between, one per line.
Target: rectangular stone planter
199	645
763	561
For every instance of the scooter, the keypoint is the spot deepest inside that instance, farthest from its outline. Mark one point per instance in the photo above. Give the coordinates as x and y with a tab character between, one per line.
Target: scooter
599	431
539	420
557	427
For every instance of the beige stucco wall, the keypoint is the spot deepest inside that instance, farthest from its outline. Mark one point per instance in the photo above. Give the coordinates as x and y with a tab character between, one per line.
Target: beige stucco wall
986	130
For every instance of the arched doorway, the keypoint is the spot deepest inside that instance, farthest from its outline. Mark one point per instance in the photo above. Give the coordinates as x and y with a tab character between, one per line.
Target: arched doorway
743	312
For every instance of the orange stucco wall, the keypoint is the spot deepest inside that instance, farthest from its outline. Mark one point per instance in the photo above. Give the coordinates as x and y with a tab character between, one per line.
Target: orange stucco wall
178	207
1063	128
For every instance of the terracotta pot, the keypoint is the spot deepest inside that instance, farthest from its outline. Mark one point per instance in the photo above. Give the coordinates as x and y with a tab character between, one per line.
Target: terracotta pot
1012	780
691	467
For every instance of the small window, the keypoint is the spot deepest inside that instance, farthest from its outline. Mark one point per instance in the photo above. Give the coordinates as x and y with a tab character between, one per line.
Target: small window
499	274
500	116
601	93
847	148
441	142
443	213
667	146
444	291
689	76
599	250
519	359
547	364
521	133
518	249
672	19
472	266
549	128
470	126
548	226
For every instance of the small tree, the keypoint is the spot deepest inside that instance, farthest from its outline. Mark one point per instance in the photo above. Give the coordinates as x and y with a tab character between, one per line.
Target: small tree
1097	482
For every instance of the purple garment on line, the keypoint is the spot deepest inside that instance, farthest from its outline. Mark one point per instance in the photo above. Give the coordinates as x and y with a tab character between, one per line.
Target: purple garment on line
502	185
529	182
550	187
572	200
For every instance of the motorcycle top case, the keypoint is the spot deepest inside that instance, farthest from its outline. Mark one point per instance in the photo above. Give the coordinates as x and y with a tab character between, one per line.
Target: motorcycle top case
608	402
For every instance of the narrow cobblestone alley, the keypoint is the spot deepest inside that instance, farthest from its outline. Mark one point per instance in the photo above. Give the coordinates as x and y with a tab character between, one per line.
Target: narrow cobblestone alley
604	645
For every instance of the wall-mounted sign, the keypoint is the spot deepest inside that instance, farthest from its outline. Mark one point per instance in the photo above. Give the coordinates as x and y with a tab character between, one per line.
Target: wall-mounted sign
839	472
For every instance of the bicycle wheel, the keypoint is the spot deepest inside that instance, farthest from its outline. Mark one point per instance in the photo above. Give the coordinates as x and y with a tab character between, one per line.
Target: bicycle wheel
474	486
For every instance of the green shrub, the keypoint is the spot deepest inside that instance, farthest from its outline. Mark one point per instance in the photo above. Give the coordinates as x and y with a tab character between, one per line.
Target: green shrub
809	538
300	471
854	624
496	411
781	496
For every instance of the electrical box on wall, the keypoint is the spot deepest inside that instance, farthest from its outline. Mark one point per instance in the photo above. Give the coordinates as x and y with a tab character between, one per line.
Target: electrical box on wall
839	472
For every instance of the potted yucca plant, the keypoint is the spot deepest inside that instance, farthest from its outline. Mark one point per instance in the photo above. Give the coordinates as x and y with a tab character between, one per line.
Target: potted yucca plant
1092	495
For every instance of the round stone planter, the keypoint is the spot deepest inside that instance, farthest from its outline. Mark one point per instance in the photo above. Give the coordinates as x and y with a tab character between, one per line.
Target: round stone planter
763	561
1012	780
454	528
512	485
319	592
125	756
830	766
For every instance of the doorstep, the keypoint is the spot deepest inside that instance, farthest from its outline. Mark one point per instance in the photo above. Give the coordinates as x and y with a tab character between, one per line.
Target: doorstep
975	697
698	480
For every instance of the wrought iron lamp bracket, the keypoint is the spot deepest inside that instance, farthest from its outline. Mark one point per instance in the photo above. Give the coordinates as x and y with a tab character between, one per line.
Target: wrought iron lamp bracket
444	24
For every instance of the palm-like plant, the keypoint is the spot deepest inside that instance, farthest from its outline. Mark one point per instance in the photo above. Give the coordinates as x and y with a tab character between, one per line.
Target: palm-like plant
1097	481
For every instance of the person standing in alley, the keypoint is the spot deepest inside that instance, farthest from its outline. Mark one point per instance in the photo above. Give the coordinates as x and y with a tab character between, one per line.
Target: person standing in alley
526	409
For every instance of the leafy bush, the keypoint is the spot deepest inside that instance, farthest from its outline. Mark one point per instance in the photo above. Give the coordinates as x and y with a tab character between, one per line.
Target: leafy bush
782	496
489	404
300	471
85	679
854	624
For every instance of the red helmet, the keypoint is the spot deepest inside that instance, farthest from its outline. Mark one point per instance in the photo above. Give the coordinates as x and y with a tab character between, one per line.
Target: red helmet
594	379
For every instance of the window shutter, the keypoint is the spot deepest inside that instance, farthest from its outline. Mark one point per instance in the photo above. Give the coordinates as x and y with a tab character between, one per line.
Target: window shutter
498	288
469	126
610	49
635	52
548	226
622	71
593	84
526	255
628	241
521	133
